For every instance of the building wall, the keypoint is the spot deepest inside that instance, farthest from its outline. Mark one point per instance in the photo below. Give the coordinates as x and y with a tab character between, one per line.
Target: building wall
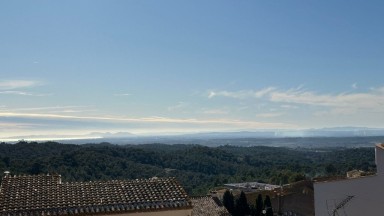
379	158
368	193
182	212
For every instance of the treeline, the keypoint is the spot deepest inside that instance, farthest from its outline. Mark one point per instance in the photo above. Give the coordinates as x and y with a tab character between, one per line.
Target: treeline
198	168
240	206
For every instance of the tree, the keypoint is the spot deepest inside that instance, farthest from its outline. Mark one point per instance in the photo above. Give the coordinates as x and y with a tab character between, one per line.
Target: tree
268	206
228	201
259	205
330	169
242	207
36	168
252	211
7	161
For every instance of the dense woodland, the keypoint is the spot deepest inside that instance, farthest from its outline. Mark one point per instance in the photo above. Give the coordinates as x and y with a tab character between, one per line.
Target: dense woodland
198	168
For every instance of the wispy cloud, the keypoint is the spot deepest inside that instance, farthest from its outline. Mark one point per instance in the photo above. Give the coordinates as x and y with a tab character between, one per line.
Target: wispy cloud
23	93
291	98
337	112
18	84
288	106
18	87
52	109
215	111
367	100
122	94
45	108
269	115
13	125
354	85
154	119
243	94
178	106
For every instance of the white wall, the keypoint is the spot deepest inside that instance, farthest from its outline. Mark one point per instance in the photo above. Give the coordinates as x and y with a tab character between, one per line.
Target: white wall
368	193
379	156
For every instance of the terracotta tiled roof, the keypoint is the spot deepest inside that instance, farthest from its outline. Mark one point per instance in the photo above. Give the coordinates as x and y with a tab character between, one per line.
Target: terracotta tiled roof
46	195
208	206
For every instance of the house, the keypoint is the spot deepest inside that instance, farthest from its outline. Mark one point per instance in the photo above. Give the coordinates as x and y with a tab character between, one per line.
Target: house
26	195
357	195
208	206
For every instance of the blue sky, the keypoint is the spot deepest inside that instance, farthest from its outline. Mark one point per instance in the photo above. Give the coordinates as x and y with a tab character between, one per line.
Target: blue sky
161	67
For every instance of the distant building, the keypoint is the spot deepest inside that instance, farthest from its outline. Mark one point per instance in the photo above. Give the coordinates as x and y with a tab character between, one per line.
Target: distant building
252	186
357	195
47	195
355	174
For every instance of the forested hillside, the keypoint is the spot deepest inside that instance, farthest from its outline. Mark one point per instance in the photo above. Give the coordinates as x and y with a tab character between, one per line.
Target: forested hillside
198	168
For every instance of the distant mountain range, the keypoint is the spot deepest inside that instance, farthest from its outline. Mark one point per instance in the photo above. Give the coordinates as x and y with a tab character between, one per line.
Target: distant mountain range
322	132
126	137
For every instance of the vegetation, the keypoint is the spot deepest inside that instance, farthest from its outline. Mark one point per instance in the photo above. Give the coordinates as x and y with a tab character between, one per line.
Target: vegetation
268	206
198	168
240	206
229	201
259	205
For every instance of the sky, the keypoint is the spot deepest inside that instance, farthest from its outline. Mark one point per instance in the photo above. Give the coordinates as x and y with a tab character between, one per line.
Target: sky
149	67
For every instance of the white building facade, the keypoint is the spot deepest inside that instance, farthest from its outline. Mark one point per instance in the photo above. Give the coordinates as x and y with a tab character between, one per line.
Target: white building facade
355	196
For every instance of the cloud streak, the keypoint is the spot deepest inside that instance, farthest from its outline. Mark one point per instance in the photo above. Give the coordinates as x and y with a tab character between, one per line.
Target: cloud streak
369	100
243	94
270	115
17	87
122	94
215	111
18	84
13	125
179	106
373	99
155	119
23	93
50	109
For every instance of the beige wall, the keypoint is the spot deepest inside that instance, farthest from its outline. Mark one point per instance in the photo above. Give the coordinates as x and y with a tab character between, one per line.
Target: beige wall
183	212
